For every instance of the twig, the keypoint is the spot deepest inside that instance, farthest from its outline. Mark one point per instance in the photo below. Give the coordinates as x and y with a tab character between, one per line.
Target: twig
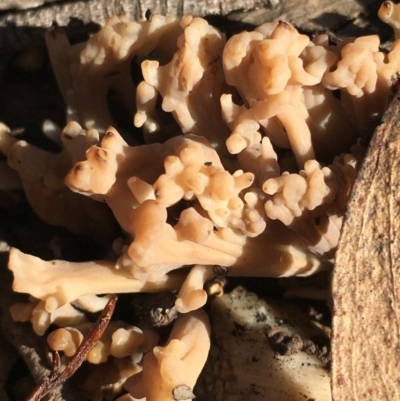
56	379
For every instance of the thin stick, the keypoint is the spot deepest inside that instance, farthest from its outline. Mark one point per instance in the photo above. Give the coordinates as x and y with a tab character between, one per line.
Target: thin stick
56	379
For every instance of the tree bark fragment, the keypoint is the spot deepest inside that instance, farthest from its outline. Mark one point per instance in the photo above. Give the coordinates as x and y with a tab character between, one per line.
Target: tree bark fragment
366	279
18	28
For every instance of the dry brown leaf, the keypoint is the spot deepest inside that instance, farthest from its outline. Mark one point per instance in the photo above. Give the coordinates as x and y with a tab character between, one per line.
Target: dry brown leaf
366	279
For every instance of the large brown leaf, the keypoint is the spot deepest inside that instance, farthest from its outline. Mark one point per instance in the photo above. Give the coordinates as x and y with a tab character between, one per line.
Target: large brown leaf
366	279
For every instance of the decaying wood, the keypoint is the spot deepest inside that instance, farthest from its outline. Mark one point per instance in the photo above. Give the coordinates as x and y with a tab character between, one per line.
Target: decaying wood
22	4
347	17
314	15
19	29
366	280
98	11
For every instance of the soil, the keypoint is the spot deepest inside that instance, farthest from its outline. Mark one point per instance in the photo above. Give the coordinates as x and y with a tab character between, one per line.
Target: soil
284	344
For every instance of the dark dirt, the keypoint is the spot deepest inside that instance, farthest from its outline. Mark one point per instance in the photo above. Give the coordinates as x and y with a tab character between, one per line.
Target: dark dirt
284	344
157	309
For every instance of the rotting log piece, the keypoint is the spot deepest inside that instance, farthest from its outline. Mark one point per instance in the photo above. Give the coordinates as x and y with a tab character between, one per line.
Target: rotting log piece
21	28
366	279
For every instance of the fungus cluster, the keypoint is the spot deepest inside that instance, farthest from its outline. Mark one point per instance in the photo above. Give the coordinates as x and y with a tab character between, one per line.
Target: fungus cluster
256	178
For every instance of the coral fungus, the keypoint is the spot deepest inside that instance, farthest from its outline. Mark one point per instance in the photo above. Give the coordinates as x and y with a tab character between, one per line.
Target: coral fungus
255	179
